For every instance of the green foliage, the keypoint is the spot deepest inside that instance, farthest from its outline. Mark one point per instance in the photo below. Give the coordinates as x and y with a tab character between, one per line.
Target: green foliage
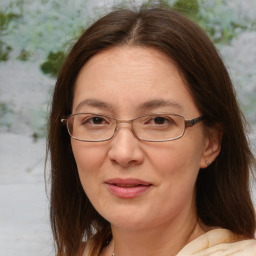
6	114
35	136
219	31
221	22
189	8
5	19
24	55
4	51
38	120
3	109
53	64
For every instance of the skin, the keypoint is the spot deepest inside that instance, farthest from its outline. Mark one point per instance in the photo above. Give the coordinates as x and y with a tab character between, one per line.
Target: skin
124	78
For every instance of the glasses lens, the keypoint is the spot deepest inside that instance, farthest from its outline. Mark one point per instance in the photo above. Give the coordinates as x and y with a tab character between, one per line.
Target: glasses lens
91	127
159	127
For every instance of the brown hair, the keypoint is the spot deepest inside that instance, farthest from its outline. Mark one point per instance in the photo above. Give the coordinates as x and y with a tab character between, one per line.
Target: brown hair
223	197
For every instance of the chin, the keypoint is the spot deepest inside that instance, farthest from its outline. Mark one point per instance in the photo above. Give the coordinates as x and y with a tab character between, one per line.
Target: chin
129	224
125	219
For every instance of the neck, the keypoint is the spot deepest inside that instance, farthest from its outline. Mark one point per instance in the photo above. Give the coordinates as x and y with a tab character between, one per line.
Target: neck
161	240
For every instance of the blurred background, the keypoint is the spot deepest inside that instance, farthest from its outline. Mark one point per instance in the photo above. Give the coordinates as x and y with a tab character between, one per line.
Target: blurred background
35	36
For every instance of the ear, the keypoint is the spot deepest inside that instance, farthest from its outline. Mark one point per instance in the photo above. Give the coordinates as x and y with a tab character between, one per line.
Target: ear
212	146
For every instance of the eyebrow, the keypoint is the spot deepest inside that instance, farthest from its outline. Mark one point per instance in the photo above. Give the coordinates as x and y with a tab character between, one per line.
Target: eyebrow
148	105
153	104
94	103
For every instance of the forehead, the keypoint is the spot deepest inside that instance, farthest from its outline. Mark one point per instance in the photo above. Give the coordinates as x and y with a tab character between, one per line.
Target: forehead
130	77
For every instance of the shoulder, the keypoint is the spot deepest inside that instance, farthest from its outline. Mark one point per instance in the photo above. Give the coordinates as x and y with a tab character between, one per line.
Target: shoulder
220	242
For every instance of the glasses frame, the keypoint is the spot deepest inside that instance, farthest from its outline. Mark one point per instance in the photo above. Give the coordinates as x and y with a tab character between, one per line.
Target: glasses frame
188	123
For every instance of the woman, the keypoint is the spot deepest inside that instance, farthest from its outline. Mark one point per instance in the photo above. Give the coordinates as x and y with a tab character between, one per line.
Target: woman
147	144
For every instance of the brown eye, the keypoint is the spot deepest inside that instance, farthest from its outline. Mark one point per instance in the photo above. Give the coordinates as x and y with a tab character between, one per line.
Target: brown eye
160	120
95	120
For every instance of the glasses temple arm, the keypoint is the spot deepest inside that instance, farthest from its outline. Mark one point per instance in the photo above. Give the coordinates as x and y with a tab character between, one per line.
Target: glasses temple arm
192	122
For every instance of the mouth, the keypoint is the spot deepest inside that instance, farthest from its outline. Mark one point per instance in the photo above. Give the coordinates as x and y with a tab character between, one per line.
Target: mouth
127	185
127	188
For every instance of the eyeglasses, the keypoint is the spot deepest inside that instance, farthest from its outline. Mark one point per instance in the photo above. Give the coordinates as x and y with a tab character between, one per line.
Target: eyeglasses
92	127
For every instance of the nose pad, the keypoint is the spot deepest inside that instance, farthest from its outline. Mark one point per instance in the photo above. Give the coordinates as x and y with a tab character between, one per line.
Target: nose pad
125	147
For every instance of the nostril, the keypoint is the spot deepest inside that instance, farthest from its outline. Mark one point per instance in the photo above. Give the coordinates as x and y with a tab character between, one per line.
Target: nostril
124	164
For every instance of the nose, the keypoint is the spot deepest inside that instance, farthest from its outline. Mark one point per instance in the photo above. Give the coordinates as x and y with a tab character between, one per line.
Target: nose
125	148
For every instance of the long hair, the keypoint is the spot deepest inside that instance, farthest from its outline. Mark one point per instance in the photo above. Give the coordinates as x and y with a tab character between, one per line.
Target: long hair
222	190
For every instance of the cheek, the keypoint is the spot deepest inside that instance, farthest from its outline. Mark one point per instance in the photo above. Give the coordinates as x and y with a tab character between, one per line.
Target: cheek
88	158
177	172
176	168
175	158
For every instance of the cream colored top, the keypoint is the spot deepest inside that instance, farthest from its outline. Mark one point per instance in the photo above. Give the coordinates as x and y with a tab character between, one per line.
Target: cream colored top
217	242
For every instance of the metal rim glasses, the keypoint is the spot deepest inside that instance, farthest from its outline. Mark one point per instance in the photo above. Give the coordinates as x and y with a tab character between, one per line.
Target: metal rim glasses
93	127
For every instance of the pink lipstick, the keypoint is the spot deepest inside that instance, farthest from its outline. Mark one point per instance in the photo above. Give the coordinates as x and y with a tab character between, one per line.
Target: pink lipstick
127	188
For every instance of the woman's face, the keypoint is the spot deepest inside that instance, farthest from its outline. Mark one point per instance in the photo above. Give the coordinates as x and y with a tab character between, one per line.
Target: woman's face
132	183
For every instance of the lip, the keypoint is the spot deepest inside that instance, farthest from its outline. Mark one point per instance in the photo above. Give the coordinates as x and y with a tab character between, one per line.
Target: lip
127	188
